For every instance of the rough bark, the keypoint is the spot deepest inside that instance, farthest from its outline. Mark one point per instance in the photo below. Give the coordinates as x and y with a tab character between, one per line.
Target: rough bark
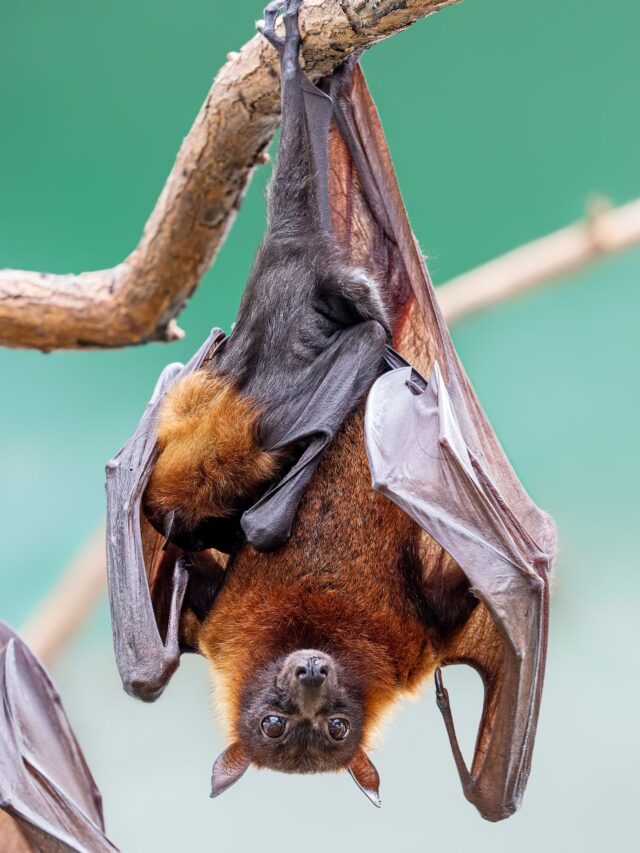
137	300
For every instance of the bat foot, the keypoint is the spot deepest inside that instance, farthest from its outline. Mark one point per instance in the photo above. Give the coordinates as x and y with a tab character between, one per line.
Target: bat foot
268	26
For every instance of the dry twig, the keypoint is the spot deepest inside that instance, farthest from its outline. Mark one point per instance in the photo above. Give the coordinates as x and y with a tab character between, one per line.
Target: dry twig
69	604
604	231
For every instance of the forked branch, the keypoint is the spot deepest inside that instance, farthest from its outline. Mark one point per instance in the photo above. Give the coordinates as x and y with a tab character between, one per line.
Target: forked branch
137	300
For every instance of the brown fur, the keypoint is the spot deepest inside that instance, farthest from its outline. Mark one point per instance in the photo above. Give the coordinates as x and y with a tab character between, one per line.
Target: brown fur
209	456
13	841
345	590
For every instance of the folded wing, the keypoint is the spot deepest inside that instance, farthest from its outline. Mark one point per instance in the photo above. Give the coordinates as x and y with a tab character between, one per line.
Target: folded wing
434	453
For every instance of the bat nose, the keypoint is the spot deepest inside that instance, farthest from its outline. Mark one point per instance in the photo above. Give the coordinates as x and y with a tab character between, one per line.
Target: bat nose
312	672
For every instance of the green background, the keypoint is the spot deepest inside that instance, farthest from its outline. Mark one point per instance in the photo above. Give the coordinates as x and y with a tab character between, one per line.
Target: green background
502	118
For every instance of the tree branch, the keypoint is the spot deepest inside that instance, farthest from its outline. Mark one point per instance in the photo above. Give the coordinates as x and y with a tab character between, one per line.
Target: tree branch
604	231
137	300
65	609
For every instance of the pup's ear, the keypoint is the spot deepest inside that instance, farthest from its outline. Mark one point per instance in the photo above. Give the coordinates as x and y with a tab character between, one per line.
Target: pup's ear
228	768
366	777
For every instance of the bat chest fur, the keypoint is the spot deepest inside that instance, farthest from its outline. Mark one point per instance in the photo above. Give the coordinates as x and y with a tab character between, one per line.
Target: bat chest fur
351	596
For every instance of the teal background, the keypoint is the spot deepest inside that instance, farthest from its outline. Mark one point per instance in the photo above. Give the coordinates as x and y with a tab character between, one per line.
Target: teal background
502	118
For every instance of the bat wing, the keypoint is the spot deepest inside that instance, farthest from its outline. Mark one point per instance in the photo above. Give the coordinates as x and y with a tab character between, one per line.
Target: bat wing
346	376
147	584
46	787
420	459
433	452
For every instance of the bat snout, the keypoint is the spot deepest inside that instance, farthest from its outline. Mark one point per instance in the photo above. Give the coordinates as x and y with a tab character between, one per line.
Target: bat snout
312	672
308	676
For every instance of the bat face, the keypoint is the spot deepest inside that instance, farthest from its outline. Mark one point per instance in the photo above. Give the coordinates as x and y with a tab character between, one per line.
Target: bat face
302	713
299	714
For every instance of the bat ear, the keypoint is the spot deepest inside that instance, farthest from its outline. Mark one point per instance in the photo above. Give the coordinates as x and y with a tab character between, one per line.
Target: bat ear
228	768
366	777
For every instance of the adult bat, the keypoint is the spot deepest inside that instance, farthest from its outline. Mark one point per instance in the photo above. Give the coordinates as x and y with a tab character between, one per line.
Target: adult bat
364	596
48	799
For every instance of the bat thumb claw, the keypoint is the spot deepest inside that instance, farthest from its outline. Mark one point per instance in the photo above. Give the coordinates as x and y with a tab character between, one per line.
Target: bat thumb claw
442	695
437	677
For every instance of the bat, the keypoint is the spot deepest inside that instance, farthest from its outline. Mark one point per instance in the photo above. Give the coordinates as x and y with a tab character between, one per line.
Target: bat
48	798
383	545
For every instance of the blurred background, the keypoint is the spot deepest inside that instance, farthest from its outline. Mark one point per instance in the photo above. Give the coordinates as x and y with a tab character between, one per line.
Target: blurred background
502	118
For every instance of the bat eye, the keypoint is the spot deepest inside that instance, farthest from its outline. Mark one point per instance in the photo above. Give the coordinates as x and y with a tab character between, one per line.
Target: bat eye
273	726
338	728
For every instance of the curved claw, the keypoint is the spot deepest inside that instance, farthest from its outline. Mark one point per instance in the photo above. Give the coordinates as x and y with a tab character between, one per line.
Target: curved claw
267	27
442	694
270	35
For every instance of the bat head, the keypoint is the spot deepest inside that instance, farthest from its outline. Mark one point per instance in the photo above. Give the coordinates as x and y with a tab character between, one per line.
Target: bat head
300	714
209	458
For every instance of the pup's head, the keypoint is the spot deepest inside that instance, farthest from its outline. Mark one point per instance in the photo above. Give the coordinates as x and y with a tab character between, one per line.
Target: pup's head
300	714
209	458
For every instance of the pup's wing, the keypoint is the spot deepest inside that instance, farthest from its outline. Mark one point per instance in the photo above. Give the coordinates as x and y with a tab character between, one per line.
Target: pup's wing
345	375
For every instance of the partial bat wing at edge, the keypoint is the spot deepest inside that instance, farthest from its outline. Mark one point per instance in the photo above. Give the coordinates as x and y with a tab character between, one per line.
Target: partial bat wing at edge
45	784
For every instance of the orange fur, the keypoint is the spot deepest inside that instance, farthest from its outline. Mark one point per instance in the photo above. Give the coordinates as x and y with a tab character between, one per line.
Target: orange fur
209	456
338	586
